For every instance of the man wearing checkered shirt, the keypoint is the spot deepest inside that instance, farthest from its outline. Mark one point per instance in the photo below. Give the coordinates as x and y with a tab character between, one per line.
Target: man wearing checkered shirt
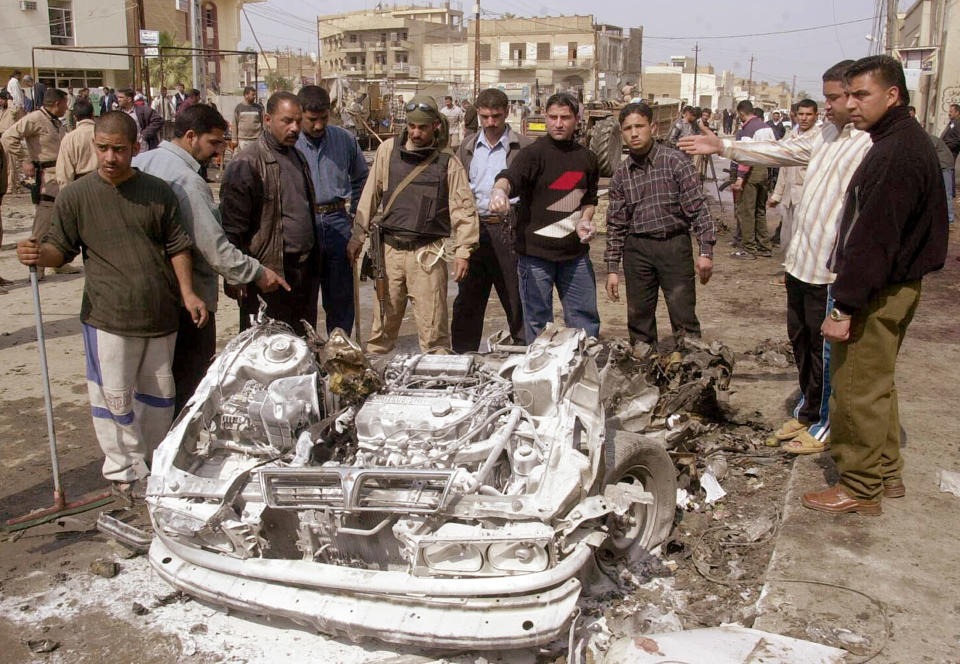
655	202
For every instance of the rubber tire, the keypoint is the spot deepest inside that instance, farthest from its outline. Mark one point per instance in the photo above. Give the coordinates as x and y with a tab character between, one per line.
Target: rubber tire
606	142
633	455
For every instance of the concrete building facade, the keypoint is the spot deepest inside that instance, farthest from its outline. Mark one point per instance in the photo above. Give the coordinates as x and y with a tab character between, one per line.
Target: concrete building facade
927	42
68	23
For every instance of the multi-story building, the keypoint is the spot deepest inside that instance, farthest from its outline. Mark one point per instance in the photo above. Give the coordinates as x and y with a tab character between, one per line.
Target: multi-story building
677	80
768	96
524	56
85	24
386	43
68	23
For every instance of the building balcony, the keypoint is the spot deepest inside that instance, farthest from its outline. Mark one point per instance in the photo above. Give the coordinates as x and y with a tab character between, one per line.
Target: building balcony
522	63
355	70
401	45
400	68
377	69
354	47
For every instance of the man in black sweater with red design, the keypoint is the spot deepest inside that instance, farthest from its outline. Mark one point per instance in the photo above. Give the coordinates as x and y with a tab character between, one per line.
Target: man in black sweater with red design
556	179
893	232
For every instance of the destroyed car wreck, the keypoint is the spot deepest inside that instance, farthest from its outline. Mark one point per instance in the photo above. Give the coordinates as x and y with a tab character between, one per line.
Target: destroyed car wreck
446	501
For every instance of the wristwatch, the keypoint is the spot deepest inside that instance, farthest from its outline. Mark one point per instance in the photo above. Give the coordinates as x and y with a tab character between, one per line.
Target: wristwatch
837	315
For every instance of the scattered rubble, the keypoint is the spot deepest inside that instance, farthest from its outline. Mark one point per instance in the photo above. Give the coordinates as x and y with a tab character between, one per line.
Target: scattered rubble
41	646
139	609
105	568
773	353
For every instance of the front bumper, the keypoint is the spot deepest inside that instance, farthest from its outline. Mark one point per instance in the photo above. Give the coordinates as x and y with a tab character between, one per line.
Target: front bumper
486	614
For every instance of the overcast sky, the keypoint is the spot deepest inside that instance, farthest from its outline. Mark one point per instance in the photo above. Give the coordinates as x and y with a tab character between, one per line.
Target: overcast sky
669	29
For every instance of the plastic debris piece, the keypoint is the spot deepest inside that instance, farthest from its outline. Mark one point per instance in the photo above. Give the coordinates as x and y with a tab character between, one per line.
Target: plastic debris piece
710	484
950	482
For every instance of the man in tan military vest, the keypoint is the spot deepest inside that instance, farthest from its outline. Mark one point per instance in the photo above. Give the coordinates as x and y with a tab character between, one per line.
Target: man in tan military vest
41	131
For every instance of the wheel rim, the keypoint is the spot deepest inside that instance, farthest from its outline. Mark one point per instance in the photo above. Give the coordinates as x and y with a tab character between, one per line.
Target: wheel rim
639	532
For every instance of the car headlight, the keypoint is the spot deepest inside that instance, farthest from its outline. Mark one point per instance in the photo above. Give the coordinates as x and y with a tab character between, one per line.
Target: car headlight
176	522
518	556
453	557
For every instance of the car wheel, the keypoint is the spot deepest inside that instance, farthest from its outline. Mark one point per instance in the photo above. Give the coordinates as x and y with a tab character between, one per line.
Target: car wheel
639	460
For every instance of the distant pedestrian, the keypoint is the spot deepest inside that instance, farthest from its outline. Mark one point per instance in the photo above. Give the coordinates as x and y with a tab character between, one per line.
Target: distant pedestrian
951	133
683	126
776	124
16	98
149	123
471	123
77	155
8	115
656	201
786	194
138	267
163	106
247	120
948	168
893	233
454	115
179	97
752	187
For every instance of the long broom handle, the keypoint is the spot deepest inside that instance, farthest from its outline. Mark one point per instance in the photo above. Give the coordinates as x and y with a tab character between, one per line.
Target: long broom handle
47	400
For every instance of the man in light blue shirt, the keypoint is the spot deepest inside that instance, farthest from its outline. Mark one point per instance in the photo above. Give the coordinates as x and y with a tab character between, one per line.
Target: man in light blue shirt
339	172
494	264
198	136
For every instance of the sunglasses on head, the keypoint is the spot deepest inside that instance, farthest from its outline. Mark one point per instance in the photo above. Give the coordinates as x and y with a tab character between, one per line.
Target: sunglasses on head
419	107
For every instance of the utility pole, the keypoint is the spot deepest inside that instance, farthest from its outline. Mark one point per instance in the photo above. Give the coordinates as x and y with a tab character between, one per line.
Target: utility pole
793	90
476	51
318	50
696	61
194	43
893	28
750	80
596	64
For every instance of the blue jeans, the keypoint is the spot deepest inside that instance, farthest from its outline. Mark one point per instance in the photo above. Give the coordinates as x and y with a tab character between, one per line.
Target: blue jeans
576	285
336	273
950	182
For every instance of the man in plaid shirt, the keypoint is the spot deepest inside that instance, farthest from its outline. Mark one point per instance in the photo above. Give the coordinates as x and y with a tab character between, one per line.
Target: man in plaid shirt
397	113
655	202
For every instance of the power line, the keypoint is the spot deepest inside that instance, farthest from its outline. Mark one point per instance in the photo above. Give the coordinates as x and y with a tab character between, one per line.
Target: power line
766	34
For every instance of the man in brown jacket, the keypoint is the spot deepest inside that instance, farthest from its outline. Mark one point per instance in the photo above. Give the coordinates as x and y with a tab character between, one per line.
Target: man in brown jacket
494	263
267	208
77	156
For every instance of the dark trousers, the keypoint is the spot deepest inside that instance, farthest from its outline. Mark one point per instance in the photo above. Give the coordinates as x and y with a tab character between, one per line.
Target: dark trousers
192	356
336	273
300	303
806	309
492	265
651	264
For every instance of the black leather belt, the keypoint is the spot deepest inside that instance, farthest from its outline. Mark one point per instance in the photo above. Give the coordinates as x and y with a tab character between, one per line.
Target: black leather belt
407	244
491	219
47	197
46	164
328	208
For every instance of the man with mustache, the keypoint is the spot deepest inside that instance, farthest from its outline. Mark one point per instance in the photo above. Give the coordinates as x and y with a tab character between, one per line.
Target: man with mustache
267	207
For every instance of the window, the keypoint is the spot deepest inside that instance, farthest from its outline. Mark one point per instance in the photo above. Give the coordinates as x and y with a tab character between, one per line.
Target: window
484	52
543	51
61	22
571	50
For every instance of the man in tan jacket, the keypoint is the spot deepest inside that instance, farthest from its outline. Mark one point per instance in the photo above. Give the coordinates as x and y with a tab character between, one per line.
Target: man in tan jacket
77	156
8	115
436	204
41	131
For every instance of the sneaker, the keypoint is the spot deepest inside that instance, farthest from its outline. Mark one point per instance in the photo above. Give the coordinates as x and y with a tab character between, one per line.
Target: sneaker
743	255
765	254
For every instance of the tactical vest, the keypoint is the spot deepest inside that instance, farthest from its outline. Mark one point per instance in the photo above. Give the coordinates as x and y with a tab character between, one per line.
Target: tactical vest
423	206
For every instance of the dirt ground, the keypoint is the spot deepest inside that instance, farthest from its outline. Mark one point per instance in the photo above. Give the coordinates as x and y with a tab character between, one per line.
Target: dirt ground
713	571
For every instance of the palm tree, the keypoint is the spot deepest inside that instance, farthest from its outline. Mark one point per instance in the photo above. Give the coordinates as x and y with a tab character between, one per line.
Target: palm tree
175	66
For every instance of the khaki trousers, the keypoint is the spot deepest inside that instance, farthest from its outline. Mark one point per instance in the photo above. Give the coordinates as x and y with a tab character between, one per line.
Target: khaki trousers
132	394
426	286
864	416
43	220
751	209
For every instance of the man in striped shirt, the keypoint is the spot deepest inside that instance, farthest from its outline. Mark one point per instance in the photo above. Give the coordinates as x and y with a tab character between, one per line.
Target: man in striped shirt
831	158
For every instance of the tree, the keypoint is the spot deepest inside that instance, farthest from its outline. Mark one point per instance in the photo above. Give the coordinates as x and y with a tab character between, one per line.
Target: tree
176	66
276	82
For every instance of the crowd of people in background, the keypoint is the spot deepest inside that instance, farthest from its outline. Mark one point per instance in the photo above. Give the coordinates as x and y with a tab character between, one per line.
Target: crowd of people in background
863	194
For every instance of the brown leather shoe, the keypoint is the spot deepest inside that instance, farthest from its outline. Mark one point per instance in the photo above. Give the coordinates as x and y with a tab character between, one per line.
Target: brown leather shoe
836	500
894	488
